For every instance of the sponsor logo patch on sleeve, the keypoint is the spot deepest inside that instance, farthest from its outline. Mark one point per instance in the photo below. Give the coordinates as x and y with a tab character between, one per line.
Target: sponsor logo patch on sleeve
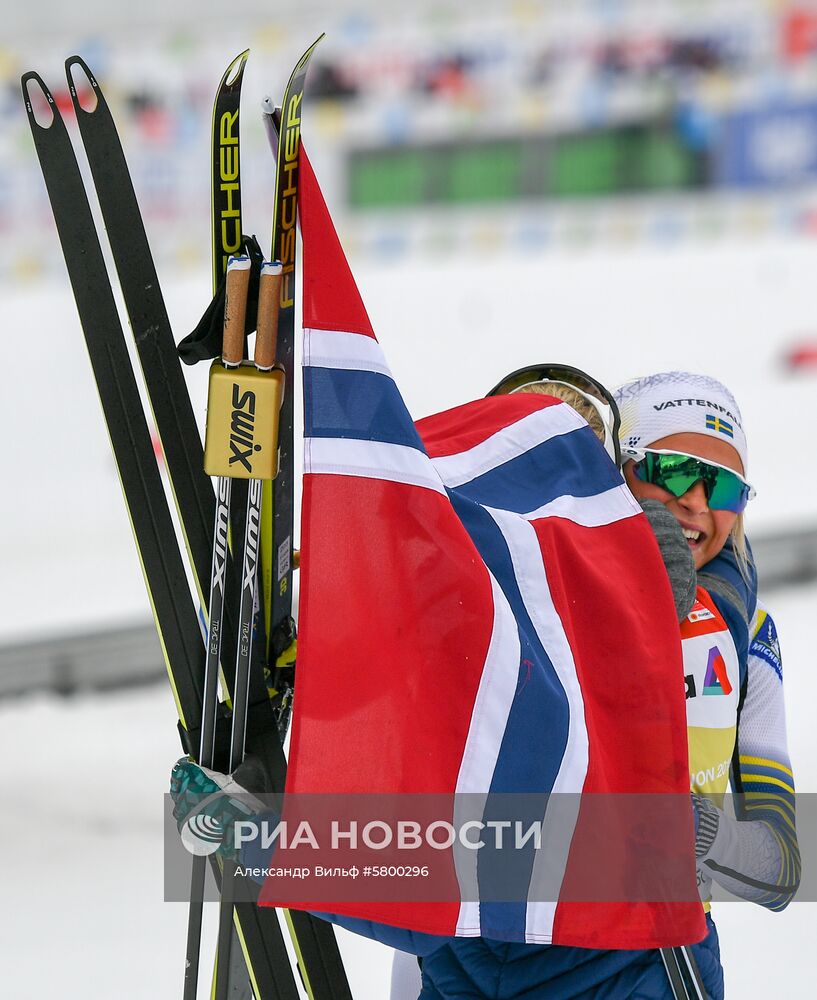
766	646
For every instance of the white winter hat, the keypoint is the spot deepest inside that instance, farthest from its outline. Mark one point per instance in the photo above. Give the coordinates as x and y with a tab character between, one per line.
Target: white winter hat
675	403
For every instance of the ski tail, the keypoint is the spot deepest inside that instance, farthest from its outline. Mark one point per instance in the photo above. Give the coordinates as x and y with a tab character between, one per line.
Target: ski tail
156	347
173	611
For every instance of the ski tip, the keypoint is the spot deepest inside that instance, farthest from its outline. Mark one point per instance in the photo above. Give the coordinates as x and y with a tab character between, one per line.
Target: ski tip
302	62
26	80
235	71
70	63
80	88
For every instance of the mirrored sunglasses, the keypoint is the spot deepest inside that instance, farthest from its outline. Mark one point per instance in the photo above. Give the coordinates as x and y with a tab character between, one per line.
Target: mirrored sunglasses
677	473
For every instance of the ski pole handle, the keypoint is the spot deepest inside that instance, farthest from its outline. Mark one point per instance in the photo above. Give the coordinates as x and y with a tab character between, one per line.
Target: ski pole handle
269	304
235	310
244	401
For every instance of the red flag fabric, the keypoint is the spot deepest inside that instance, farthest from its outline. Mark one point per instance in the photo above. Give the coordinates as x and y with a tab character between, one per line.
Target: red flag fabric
484	613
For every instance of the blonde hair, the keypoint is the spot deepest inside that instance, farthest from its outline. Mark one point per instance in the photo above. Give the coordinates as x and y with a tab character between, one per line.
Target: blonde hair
572	398
738	538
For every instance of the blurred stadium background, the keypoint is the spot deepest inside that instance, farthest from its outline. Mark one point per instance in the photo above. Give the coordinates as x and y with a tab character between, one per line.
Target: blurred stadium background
438	126
547	139
627	185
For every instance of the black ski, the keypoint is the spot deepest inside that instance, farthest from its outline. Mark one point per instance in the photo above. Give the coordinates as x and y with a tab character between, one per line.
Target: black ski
226	239
319	960
156	348
170	598
276	528
174	613
258	928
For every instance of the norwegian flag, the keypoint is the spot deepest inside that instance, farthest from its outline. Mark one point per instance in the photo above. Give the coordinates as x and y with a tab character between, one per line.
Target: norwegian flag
483	608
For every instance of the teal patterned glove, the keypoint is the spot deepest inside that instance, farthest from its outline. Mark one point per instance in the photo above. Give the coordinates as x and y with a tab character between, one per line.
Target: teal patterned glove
207	804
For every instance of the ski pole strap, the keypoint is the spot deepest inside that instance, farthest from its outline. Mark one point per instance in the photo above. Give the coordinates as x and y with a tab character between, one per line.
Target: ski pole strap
205	342
235	310
269	304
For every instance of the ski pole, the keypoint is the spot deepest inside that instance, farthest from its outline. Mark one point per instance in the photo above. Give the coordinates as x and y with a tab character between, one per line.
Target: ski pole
692	972
208	726
683	973
253	398
238	275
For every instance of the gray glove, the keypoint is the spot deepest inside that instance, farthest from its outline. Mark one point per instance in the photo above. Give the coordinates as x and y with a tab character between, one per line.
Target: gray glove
676	554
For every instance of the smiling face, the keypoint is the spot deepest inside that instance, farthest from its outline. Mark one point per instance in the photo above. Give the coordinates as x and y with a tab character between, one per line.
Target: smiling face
706	530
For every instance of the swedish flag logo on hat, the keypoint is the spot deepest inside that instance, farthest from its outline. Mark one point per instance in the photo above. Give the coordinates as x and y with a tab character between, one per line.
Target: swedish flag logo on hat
714	423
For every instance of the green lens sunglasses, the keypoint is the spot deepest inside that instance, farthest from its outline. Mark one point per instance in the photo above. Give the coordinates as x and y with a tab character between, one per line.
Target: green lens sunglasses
677	473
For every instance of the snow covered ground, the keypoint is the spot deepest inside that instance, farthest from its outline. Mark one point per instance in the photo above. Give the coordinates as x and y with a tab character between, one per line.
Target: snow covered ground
81	911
